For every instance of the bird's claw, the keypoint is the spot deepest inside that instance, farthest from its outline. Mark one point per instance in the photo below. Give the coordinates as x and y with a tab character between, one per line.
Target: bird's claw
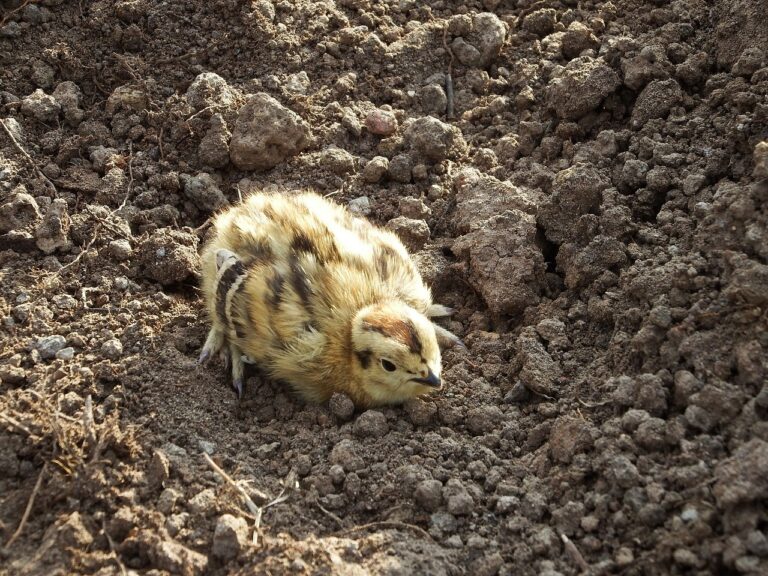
205	355
237	384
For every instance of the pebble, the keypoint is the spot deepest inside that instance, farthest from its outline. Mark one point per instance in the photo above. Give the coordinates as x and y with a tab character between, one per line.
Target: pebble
434	140
371	424
360	206
421	412
167	500
230	537
428	494
210	90
66	353
341	406
375	169
484	419
203	502
400	168
266	133
47	346
112	349
158	472
41	106
120	249
64	301
203	191
459	502
345	454
381	122
413	233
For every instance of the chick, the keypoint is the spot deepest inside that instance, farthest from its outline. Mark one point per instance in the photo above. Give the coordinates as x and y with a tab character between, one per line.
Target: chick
321	300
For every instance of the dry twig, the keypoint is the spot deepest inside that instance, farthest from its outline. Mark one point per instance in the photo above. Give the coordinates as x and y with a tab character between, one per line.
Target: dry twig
112	548
13	422
26	155
448	76
574	554
30	504
389	524
249	503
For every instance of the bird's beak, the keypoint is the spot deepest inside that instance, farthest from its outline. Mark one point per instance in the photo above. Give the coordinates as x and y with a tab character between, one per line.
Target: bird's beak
432	380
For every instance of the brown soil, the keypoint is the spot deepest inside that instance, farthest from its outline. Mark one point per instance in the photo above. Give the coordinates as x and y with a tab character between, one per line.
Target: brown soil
597	217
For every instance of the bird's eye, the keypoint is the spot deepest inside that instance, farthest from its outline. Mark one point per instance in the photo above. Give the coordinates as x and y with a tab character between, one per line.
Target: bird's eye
387	365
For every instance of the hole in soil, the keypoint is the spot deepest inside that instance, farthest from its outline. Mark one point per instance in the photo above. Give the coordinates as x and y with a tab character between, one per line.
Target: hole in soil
548	249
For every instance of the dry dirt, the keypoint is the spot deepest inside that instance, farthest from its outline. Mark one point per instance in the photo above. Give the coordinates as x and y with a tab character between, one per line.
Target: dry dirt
595	210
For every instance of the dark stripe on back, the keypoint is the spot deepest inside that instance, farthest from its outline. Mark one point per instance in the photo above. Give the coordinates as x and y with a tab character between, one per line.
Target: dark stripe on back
276	286
299	280
258	252
384	255
222	289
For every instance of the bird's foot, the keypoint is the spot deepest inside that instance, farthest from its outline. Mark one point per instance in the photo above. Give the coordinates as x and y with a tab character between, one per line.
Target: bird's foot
238	369
212	345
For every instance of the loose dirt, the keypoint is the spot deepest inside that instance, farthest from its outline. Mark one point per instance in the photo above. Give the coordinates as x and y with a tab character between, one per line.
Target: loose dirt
587	189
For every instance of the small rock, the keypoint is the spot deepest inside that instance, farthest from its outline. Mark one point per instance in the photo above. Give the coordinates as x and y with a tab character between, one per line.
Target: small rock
41	106
421	412
433	99
66	353
743	478
459	502
168	256
71	402
167	500
655	101
19	212
360	206
484	419
413	208
435	140
401	168
428	494
214	147
375	169
47	346
12	374
381	122
203	503
297	83
206	447
413	233
345	454
176	558
749	62
487	38
342	406
128	99
230	537
337	160
69	96
53	232
158	472
203	191
570	436
266	133
120	249
581	86
112	349
540	22
210	90
576	39
686	557
371	424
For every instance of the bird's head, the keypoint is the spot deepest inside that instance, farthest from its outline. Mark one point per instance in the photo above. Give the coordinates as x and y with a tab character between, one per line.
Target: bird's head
395	352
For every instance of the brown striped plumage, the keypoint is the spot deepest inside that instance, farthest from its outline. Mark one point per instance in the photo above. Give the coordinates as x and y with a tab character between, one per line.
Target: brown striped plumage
321	300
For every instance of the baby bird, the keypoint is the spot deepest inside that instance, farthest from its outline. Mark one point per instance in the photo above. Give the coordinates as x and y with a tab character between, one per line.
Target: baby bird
321	300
